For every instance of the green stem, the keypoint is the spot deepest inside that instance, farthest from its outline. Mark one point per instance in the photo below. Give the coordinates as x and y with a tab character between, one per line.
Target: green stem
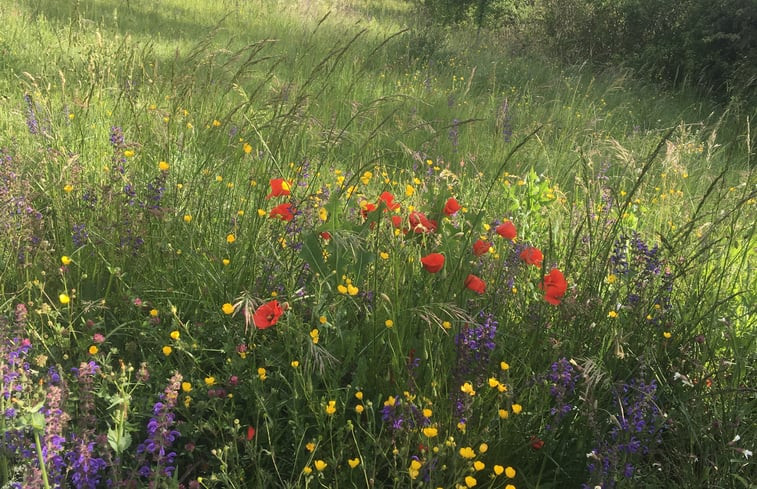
42	467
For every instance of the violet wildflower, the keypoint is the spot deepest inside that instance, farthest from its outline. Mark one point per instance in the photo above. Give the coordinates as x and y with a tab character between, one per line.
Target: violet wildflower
154	454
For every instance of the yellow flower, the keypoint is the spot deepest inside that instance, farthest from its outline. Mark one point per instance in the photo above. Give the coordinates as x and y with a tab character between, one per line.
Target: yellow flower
353	462
427	413
430	431
352	290
210	380
504	365
128	153
262	374
467	388
467	452
612	314
93	350
163	166
323	214
314	335
611	279
154	312
341	289
226	262
509	486
247	148
307	470
482	448
359	395
479	465
359	408
493	383
310	446
446	325
227	308
384	255
230	238
498	469
331	408
167	350
667	335
366	178
216	123
186	386
510	473
295	364
470	481
517	408
320	465
68	188
262	212
65	260
503	414
389	323
187	218
64	299
409	190
414	469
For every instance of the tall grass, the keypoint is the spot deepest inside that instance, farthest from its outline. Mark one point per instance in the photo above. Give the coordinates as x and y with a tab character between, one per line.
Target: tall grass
147	254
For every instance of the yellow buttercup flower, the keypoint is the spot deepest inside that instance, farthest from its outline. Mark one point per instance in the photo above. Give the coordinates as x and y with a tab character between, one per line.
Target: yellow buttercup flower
353	462
517	408
230	238
187	218
68	188
154	313
310	446
498	469
262	373
307	470
167	350
247	148
430	431
93	350
389	323
227	308
320	465
479	465
359	408
64	299
163	166
470	481
186	386
467	452
510	472
210	380
65	260
331	408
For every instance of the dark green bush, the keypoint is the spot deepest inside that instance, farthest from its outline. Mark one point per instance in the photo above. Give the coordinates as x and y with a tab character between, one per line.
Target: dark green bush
709	44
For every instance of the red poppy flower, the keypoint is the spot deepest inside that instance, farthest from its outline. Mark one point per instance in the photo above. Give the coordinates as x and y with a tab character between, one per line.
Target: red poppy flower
536	443
481	247
451	206
250	433
507	230
397	221
388	199
475	284
279	187
433	262
554	286
532	256
326	235
419	223
267	315
283	212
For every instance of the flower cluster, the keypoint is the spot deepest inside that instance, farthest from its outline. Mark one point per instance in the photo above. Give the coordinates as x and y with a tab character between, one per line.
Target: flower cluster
155	452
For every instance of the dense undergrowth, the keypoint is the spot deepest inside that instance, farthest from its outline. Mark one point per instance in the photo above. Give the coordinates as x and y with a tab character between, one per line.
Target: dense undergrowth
313	249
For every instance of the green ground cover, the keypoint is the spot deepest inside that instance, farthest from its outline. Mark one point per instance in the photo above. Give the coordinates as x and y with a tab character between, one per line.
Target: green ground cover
325	244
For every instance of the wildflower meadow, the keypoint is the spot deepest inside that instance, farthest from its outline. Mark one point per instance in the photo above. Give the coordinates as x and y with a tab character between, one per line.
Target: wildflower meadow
263	244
